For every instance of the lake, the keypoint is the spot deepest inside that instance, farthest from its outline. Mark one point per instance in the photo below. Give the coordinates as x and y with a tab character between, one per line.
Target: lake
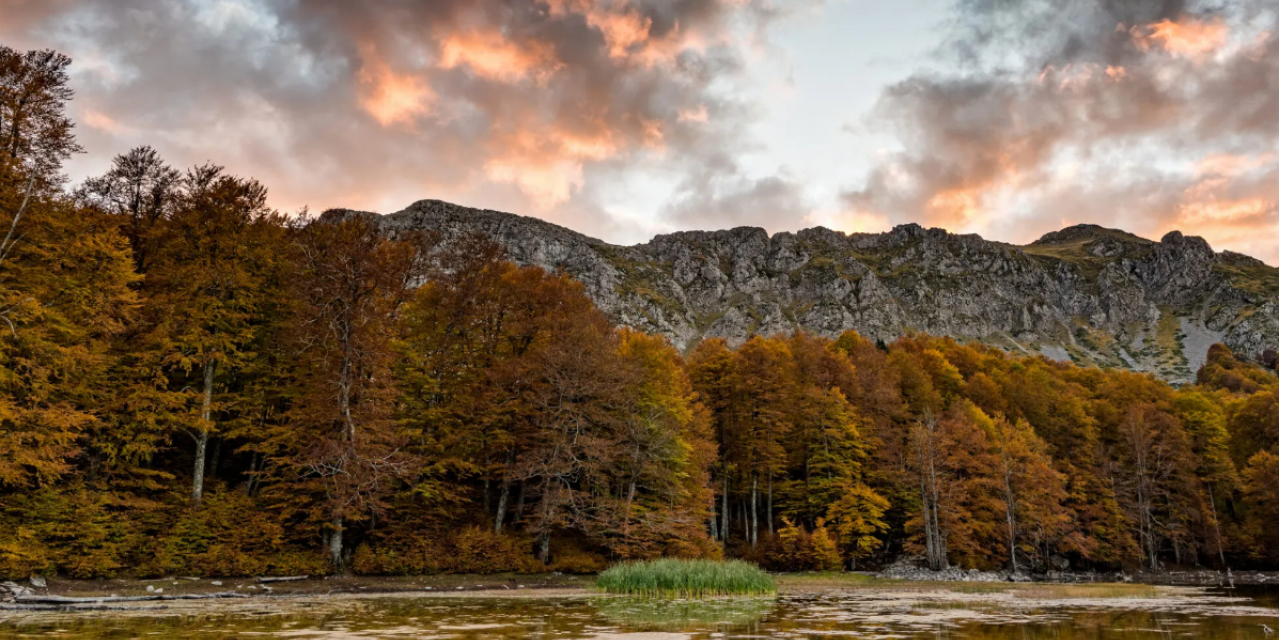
989	611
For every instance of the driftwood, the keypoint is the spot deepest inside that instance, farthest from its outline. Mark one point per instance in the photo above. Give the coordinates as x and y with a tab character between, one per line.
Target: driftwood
77	607
65	600
281	579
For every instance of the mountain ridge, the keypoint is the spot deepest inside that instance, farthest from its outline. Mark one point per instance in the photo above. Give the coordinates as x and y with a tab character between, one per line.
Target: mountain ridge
1086	293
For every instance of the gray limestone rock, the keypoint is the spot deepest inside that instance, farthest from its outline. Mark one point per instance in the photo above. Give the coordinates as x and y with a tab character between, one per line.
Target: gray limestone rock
1093	295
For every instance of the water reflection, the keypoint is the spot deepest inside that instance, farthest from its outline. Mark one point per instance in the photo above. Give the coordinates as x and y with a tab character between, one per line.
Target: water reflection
715	614
921	612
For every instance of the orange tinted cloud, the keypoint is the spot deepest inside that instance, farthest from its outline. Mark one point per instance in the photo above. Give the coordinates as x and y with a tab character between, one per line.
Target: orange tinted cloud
547	166
854	221
624	29
629	34
102	122
391	97
621	31
1187	37
693	115
1229	165
1229	189
957	208
1078	76
492	56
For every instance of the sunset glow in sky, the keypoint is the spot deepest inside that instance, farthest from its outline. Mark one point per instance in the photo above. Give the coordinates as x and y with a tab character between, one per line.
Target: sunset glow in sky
626	118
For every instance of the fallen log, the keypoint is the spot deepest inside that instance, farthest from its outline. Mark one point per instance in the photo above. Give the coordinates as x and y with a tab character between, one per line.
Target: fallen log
61	600
266	579
77	607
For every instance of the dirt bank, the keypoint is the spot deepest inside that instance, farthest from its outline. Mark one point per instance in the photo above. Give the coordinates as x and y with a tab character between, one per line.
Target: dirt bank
550	584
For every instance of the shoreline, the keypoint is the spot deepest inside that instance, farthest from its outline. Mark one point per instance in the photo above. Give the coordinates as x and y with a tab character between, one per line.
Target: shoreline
175	589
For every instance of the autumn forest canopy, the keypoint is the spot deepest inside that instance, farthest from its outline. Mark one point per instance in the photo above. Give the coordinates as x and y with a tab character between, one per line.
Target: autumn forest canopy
192	383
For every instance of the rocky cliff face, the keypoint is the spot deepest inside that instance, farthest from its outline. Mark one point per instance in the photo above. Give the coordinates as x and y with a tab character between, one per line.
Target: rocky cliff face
1086	294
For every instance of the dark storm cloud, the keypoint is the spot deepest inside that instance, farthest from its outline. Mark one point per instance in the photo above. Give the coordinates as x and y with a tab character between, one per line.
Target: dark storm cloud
337	103
1089	111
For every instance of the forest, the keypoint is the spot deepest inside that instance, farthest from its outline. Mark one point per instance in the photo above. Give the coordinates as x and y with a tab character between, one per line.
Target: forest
192	383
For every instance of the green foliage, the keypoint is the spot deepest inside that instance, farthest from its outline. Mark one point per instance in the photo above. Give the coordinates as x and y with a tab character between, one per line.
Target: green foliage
1250	275
675	578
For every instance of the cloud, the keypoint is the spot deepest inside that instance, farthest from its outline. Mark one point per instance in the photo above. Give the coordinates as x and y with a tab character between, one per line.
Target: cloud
723	196
373	105
1048	113
1144	114
1188	36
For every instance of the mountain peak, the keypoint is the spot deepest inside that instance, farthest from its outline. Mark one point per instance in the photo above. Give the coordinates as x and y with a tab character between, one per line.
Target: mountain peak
1088	232
1094	295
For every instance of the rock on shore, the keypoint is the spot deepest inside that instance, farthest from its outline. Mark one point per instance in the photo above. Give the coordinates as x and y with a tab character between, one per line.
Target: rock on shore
912	568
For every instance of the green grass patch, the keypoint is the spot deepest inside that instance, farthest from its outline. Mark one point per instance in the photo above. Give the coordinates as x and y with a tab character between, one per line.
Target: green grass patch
675	578
1253	277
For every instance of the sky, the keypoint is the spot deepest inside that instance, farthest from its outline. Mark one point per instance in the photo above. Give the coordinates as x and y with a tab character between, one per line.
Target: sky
627	118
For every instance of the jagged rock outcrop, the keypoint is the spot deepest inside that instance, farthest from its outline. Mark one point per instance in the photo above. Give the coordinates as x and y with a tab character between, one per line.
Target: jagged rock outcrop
1085	293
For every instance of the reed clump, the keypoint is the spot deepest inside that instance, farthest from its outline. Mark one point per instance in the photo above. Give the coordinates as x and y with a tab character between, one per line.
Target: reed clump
677	578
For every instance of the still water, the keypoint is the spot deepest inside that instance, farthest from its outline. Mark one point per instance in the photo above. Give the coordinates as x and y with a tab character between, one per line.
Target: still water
917	612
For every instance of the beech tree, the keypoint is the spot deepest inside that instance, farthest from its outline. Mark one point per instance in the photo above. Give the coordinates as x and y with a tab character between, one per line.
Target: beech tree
142	191
35	133
1261	485
665	457
340	437
1151	454
580	398
1205	423
1032	491
715	376
766	375
64	290
926	445
206	287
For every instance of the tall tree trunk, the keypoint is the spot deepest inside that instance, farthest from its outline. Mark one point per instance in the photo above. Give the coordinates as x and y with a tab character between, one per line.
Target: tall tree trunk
1009	506
344	397
926	454
724	510
335	543
215	458
769	510
503	494
202	438
755	516
544	547
631	496
1217	528
348	434
253	468
502	505
940	542
520	492
919	435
